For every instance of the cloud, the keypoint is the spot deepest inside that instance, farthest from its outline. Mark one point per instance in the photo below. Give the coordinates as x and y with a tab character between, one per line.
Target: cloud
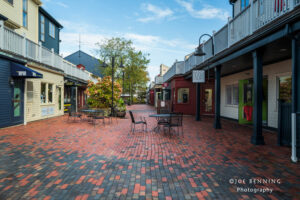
156	13
162	50
55	2
207	12
62	4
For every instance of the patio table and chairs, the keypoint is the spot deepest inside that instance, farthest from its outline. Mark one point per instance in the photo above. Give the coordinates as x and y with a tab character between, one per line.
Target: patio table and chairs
169	121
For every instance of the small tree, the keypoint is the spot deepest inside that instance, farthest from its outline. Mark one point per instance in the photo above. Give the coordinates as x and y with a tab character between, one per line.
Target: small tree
100	94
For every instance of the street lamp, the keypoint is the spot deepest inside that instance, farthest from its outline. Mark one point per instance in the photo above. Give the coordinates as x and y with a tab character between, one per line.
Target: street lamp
112	78
199	52
199	49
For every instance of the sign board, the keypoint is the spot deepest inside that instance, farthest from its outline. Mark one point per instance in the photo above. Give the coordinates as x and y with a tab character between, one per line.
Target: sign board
162	104
165	85
47	111
198	76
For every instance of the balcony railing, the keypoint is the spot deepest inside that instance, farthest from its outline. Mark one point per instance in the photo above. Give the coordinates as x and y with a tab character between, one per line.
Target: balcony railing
251	19
17	44
177	68
159	80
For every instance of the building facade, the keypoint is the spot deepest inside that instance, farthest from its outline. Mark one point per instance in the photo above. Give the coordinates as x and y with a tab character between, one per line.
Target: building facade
32	74
255	67
49	31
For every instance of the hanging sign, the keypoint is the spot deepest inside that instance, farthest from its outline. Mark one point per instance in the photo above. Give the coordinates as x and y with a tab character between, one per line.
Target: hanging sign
198	76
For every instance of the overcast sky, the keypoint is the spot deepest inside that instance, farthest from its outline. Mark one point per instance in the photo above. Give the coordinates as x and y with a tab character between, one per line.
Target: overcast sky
168	29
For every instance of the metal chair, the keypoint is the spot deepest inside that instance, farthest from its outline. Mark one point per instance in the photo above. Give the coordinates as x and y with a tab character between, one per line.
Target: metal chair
73	115
98	114
133	123
161	121
175	120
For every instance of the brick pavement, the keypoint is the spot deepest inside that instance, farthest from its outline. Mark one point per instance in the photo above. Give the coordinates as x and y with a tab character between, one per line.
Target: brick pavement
54	159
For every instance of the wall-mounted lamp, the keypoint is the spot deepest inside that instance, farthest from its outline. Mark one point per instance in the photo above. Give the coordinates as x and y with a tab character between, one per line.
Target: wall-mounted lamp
11	81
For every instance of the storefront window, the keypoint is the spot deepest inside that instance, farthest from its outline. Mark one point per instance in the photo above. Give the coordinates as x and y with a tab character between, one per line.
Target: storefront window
50	93
232	94
285	88
43	92
29	91
183	95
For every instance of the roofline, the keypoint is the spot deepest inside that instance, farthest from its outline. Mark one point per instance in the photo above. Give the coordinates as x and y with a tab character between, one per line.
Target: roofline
44	12
2	17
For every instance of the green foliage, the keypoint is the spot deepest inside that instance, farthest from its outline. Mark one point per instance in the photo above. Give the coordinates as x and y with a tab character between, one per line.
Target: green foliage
100	94
121	105
135	72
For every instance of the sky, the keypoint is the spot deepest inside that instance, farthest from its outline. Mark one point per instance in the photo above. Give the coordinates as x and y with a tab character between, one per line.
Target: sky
166	29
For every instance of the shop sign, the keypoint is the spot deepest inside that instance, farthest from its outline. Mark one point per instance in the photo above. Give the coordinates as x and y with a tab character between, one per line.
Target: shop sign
198	76
47	111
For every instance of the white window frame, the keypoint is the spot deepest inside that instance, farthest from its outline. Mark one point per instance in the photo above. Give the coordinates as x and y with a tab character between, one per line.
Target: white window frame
231	86
51	30
25	11
29	92
42	28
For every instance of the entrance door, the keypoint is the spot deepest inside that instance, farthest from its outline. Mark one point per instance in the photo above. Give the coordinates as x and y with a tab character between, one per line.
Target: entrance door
207	99
246	101
18	101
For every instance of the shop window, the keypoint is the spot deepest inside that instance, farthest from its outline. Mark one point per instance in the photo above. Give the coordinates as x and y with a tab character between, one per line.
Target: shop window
285	88
183	95
50	93
232	94
29	91
43	92
167	95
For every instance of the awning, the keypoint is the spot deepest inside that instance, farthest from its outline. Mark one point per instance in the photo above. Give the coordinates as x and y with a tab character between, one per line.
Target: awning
18	70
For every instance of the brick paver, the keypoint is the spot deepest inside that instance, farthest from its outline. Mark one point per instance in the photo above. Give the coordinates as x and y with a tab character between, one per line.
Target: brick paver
54	159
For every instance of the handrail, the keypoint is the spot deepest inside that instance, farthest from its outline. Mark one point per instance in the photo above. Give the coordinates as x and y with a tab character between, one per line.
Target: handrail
15	43
244	24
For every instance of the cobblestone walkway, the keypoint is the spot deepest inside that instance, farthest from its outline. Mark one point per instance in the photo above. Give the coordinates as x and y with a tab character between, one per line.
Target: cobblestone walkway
54	159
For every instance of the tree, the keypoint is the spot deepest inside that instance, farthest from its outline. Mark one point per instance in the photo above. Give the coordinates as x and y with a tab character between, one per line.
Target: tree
135	62
99	94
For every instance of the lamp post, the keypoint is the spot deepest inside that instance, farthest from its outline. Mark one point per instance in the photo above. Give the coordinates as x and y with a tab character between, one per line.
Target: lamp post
199	52
112	78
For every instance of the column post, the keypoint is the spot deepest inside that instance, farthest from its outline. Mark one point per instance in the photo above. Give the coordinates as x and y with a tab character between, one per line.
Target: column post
198	90
217	123
257	137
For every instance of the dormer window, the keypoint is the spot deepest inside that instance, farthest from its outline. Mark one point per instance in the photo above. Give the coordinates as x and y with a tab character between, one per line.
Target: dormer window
244	4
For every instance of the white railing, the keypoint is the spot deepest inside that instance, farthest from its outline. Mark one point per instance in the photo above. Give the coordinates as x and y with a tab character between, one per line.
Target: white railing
17	44
177	68
251	19
159	80
239	27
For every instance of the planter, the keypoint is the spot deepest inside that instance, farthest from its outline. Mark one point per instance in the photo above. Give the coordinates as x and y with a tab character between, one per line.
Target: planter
121	114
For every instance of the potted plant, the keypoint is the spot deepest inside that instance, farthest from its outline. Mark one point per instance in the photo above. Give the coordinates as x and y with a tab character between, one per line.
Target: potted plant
121	109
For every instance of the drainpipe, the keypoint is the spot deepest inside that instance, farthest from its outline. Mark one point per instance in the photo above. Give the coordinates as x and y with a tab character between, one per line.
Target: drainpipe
295	94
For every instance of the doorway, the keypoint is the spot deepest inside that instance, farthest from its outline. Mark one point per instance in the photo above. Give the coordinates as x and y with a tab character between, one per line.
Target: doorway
207	100
17	101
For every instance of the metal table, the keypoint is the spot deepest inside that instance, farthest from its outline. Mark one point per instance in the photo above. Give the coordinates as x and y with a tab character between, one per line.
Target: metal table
158	117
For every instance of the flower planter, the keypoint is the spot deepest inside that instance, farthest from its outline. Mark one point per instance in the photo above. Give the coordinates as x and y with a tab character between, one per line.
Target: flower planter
121	114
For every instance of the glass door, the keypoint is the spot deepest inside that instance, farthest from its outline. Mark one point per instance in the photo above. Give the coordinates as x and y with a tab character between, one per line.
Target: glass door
17	101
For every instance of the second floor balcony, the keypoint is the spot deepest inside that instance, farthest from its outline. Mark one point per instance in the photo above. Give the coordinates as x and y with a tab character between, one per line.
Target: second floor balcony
255	17
176	69
19	45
